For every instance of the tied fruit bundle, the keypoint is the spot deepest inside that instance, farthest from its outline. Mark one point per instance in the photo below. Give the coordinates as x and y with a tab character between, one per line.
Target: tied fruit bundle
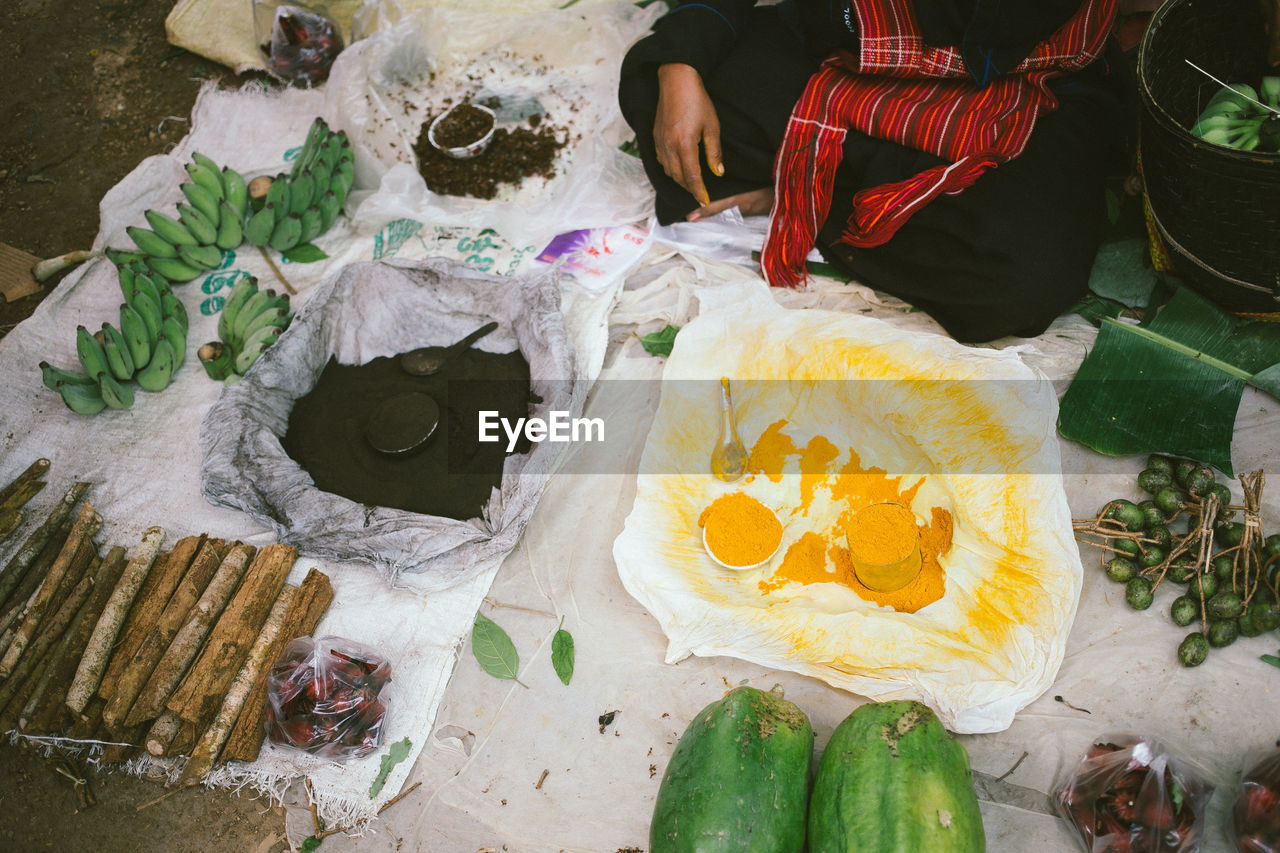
1241	117
251	320
1127	794
1255	814
147	347
323	697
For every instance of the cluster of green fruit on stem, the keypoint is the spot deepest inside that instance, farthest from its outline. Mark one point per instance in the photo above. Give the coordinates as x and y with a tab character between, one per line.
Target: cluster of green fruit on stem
1189	533
1241	117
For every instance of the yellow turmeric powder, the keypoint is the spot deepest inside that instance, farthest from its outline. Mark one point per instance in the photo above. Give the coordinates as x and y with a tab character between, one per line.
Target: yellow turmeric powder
882	533
770	452
739	530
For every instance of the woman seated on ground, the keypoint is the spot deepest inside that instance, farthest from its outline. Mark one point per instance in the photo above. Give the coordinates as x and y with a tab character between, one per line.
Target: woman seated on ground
951	153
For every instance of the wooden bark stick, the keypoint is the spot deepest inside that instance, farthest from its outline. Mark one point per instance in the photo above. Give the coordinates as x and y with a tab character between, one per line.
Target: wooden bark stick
206	751
86	525
34	472
13	707
84	558
86	723
21	594
46	711
186	642
309	604
52	630
18	565
142	662
198	696
94	660
152	599
161	734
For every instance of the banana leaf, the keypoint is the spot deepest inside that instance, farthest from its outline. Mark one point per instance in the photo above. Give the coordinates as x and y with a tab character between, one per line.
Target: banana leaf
1172	384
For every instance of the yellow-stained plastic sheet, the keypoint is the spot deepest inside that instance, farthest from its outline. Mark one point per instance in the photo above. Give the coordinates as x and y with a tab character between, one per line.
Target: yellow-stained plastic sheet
886	415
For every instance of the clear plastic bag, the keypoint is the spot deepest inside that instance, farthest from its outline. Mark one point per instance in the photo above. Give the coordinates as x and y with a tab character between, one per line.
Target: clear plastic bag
323	698
1255	812
1128	794
298	42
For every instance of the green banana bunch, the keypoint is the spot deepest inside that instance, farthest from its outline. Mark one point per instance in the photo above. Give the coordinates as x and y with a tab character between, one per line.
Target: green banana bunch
1241	117
251	320
301	205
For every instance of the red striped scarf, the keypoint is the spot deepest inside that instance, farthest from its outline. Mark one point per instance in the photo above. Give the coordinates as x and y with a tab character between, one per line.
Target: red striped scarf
905	91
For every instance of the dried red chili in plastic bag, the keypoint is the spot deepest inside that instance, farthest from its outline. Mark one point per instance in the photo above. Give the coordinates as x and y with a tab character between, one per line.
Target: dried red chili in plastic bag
1255	812
299	42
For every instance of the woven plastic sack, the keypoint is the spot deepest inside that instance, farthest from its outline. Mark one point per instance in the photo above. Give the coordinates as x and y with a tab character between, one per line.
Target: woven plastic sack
1129	794
1254	824
382	309
324	698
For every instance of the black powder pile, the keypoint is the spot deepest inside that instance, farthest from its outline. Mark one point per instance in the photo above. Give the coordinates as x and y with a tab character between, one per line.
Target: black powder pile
513	155
451	474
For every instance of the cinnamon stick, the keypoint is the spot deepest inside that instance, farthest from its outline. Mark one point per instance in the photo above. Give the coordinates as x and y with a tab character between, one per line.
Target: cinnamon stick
187	641
86	525
11	494
16	569
46	710
94	660
162	733
201	691
309	604
206	751
24	589
147	608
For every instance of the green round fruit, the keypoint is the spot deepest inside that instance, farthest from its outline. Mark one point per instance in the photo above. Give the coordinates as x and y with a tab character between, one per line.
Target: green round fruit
1126	513
1224	566
1193	649
1121	569
1203	586
1153	556
1160	536
1169	500
1184	611
1138	594
1152	481
1157	462
1182	468
1126	546
1229	534
1155	517
1264	613
1225	604
1181	571
1200	480
1223	494
1222	632
1248	628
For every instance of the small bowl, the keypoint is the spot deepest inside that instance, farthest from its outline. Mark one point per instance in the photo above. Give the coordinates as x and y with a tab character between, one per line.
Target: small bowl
473	149
901	569
733	568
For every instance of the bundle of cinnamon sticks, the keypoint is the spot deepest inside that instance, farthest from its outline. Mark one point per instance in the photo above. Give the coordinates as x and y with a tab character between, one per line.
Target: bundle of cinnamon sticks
150	648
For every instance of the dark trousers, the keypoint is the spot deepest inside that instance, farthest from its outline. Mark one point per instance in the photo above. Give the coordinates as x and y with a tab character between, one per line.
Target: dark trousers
1004	257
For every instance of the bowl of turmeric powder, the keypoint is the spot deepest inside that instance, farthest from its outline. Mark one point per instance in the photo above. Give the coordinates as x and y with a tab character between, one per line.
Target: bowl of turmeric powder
884	544
739	532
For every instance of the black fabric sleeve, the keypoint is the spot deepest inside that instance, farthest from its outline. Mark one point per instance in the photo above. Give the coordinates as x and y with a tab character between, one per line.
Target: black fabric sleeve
700	33
993	36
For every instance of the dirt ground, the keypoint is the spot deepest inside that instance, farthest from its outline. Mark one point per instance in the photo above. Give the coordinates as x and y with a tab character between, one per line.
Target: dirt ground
88	89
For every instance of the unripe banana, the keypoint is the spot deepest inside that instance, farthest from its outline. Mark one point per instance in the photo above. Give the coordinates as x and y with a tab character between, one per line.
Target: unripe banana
159	373
117	395
202	200
55	376
82	399
320	176
151	242
247	356
317	134
136	335
235	191
93	358
197	223
125	276
207	257
329	209
241	291
274	317
287	233
340	185
279	194
173	332
152	315
146	283
312	224
123	257
231	228
217	359
301	189
119	357
206	161
249	311
175	269
262	337
172	306
170	229
261	225
209	179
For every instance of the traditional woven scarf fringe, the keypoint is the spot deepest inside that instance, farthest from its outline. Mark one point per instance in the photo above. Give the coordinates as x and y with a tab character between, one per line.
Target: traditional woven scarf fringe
902	90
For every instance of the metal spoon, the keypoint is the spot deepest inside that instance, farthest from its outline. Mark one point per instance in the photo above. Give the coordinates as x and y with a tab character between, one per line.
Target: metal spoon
425	361
729	458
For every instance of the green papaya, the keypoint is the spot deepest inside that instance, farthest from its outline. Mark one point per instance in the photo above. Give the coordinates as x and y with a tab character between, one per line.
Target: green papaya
893	780
738	781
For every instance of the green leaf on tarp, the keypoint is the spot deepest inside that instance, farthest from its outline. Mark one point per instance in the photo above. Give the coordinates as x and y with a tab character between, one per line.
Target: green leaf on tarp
660	343
1093	308
1173	384
1121	272
398	752
494	650
305	254
562	654
309	844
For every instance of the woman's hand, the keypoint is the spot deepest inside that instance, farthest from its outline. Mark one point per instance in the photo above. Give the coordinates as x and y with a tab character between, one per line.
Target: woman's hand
686	119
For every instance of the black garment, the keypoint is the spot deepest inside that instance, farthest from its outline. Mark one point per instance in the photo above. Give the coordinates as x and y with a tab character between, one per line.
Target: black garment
1005	256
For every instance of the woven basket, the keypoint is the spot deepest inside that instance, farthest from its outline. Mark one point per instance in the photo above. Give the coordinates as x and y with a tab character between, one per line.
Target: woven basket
1217	209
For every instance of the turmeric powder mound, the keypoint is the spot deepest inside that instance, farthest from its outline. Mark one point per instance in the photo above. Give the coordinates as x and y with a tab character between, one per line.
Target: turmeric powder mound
769	453
860	487
815	458
927	587
739	530
805	562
